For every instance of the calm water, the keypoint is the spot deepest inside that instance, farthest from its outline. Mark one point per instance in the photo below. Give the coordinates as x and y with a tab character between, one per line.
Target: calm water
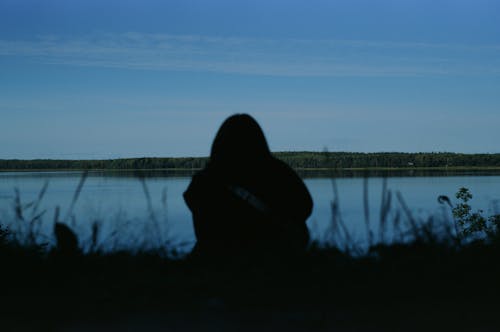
118	202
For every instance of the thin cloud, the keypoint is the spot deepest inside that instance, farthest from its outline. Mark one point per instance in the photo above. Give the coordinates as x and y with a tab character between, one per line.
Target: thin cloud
287	57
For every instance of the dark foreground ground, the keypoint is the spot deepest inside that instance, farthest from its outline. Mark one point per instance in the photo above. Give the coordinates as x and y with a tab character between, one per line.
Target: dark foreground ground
414	287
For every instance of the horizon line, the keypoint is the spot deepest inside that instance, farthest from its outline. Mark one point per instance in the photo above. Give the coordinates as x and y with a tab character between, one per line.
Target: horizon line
273	152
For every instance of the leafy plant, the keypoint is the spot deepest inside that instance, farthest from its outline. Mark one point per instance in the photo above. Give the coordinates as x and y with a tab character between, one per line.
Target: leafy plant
474	224
4	235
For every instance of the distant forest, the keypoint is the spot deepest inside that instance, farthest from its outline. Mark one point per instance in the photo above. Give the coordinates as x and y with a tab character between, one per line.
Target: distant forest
298	160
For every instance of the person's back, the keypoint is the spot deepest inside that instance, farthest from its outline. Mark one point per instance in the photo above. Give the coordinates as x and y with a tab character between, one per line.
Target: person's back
245	201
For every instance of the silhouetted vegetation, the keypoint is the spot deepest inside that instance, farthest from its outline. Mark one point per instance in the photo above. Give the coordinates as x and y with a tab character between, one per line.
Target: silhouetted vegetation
438	274
298	160
386	160
130	163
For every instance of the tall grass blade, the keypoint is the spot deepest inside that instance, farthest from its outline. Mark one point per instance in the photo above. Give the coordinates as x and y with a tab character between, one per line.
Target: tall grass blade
385	207
151	211
41	194
18	208
348	244
397	233
76	194
366	209
411	219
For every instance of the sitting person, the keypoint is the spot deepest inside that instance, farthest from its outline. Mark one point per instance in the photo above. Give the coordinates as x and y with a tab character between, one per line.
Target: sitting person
245	201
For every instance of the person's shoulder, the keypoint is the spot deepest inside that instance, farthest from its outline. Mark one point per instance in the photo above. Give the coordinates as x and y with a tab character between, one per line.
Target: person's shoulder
200	187
208	178
198	181
292	189
285	176
281	168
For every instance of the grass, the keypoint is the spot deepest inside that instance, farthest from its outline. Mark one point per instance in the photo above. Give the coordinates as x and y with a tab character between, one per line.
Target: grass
428	277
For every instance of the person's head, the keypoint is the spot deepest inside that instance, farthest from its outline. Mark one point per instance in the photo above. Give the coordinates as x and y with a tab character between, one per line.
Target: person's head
239	140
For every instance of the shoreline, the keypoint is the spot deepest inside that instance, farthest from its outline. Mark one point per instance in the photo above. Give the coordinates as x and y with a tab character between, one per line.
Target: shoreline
306	169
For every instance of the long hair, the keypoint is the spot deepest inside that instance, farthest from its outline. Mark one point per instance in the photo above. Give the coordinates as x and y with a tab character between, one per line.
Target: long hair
240	141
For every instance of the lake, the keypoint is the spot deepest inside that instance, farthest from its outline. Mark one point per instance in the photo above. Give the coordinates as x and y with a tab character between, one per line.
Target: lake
117	200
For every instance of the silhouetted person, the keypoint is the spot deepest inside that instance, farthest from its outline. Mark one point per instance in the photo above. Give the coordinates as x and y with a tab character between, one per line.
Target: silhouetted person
245	201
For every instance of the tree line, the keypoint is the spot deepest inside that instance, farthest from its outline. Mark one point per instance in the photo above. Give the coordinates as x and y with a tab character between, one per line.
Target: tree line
387	159
298	160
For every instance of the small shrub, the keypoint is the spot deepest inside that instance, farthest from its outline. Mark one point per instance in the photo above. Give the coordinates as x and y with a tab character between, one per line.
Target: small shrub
4	236
474	224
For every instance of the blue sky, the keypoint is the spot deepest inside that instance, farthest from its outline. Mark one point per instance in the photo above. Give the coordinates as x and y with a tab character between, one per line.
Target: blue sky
108	79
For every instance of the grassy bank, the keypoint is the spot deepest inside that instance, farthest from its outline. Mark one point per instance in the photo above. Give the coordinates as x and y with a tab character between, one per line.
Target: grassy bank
406	287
